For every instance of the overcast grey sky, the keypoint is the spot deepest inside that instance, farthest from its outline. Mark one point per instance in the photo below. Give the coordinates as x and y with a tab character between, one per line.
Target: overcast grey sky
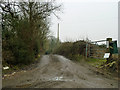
95	20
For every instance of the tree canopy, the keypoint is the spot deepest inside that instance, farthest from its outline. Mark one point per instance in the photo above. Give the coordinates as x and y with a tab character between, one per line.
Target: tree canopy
25	29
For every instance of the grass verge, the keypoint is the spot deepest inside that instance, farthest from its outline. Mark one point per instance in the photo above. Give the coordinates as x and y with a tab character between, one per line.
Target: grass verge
96	62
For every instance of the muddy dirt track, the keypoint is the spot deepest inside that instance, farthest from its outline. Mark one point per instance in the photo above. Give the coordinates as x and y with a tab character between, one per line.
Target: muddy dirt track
55	71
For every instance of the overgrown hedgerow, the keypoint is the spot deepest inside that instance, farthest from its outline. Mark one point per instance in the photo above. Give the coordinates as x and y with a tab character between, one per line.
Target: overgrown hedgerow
72	50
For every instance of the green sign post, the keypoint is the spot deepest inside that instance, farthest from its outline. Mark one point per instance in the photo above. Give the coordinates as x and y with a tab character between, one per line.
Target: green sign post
113	47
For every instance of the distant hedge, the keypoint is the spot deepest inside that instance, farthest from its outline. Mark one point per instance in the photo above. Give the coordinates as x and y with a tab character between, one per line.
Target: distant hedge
71	49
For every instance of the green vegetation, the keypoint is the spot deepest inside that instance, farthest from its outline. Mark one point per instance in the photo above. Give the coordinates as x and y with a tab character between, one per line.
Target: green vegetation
72	50
96	62
25	31
53	43
76	52
78	57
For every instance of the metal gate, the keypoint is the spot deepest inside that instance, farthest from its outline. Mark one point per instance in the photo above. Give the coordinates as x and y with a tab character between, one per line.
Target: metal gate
93	50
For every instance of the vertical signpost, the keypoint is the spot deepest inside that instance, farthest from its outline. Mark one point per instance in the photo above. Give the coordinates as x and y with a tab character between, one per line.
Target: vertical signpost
111	48
108	41
108	54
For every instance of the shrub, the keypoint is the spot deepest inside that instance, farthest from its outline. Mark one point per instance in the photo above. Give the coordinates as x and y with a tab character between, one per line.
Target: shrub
74	51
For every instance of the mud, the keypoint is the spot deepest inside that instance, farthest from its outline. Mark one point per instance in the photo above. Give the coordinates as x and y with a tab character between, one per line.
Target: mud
55	71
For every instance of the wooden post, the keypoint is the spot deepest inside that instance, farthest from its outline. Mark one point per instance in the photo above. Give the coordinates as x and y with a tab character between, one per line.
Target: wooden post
108	49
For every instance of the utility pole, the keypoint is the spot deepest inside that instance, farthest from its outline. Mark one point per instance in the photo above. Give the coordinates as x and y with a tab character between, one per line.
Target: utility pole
58	33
